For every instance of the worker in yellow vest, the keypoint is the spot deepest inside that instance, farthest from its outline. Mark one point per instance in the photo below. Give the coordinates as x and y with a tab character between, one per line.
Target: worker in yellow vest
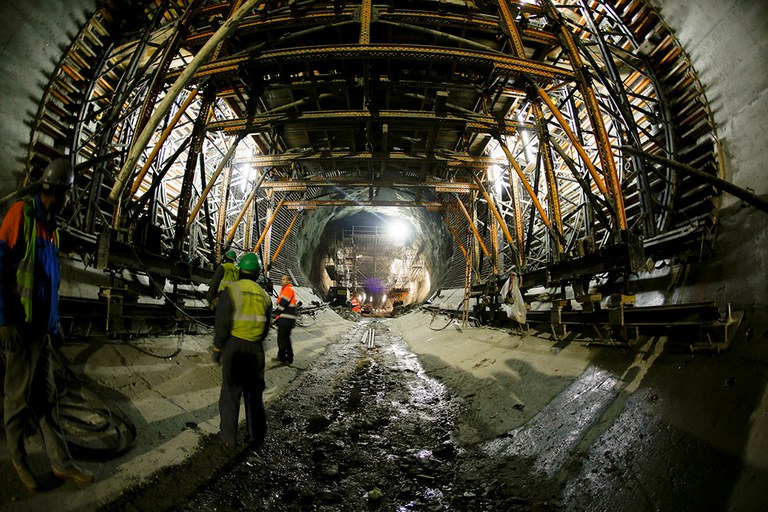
224	275
243	318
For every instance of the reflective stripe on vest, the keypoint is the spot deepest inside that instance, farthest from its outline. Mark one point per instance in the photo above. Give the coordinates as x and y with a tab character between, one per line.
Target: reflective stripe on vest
231	275
25	273
249	319
286	312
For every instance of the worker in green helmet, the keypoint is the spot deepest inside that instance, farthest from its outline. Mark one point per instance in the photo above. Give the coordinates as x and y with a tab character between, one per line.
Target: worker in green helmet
243	318
225	274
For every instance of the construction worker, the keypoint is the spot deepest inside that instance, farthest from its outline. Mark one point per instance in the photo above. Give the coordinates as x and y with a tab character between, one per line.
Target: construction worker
225	274
355	304
29	319
242	322
286	319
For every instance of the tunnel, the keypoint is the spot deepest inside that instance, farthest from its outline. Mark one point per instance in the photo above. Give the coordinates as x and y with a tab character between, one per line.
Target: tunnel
528	238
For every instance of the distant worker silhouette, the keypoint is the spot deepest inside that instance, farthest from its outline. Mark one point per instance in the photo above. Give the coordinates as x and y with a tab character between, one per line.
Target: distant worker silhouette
224	275
285	321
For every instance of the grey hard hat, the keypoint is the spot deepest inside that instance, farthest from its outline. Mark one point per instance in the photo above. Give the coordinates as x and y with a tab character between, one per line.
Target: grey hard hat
58	174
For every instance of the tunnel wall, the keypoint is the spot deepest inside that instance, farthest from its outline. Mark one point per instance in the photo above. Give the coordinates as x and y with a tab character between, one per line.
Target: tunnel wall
728	45
33	35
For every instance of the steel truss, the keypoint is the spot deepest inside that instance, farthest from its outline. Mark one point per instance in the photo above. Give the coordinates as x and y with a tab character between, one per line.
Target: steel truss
507	116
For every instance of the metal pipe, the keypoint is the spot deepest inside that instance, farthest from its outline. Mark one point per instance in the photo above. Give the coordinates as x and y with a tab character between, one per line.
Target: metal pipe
140	143
269	225
725	186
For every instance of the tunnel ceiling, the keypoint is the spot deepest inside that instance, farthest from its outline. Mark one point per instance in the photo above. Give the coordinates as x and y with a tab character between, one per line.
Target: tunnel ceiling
526	128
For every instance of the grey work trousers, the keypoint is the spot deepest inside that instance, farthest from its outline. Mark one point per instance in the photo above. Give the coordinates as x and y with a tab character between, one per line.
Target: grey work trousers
30	395
242	372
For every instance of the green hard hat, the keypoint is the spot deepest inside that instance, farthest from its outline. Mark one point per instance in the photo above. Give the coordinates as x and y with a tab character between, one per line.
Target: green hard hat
250	263
231	255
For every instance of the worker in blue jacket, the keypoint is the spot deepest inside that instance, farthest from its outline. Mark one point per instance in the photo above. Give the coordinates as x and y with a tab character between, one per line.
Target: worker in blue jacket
29	319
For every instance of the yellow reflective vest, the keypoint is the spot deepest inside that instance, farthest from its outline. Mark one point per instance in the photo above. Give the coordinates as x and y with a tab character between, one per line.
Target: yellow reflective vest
231	275
251	304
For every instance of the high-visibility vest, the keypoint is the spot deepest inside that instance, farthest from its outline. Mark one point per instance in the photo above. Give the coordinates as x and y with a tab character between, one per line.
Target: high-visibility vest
25	273
231	275
250	315
286	306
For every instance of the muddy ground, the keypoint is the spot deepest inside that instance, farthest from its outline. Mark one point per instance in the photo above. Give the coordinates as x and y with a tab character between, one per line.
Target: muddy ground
363	429
427	414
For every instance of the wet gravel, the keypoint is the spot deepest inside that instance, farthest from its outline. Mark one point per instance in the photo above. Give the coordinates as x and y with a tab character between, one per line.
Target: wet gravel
363	429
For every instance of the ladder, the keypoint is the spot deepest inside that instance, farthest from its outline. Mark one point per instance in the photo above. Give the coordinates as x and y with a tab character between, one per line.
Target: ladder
467	292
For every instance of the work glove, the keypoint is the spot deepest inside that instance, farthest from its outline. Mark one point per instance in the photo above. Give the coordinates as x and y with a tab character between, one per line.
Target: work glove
215	355
10	339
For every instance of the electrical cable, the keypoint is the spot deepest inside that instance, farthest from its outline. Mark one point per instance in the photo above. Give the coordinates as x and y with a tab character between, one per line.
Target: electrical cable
93	429
150	354
162	292
434	315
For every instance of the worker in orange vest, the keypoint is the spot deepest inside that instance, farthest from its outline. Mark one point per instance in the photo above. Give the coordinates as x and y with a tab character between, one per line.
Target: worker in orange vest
286	319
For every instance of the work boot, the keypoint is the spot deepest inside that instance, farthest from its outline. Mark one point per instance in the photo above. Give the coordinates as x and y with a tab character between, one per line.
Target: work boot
25	475
74	473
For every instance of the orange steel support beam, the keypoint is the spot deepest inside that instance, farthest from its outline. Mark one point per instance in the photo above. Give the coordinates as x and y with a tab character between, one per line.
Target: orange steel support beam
527	185
517	217
456	236
553	192
269	225
163	137
596	119
141	140
245	209
285	237
495	212
365	22
574	140
212	181
473	227
504	65
509	26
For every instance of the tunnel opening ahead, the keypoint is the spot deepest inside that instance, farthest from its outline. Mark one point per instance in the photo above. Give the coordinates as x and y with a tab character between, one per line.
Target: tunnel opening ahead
373	260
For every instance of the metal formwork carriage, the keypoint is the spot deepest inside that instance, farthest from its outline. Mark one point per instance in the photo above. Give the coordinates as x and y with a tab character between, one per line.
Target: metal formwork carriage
509	117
